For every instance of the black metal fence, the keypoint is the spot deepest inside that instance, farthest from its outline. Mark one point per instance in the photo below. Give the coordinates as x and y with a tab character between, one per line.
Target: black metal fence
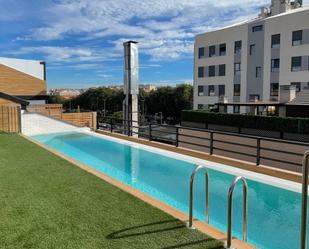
259	150
300	137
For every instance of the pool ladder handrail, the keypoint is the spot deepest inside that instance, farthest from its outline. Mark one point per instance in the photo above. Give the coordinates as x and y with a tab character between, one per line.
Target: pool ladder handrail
229	212
303	229
197	169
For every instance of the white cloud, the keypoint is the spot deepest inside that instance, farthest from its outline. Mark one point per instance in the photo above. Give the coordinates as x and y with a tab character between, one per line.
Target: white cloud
165	29
57	55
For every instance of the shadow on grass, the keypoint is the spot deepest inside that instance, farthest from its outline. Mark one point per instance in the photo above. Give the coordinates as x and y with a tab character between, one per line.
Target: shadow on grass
131	232
122	233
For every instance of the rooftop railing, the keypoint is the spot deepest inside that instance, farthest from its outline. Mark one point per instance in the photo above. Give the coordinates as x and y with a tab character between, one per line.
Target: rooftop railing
255	148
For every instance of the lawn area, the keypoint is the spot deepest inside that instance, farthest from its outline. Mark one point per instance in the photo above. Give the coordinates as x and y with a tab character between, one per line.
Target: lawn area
46	202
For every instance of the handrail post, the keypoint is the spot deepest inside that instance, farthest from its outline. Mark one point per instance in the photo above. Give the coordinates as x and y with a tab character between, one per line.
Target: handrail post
177	136
111	124
258	151
198	168
129	128
229	212
149	132
211	150
303	230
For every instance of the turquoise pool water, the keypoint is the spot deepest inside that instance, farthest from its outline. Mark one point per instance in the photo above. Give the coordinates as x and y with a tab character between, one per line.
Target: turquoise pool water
273	216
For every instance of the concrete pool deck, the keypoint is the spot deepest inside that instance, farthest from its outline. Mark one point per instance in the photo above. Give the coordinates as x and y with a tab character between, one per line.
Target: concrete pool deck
201	226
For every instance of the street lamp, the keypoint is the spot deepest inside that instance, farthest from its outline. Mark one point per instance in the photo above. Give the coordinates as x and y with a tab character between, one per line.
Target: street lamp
143	108
104	102
161	117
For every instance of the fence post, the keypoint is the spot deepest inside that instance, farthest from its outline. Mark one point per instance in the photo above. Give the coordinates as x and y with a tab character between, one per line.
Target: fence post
95	121
129	125
177	136
111	124
149	135
258	151
211	149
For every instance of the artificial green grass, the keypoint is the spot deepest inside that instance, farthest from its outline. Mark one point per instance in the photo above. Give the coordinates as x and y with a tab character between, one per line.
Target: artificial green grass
46	202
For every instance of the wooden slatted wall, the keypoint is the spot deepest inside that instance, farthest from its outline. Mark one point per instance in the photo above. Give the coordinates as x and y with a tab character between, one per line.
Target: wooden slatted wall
82	119
53	110
10	118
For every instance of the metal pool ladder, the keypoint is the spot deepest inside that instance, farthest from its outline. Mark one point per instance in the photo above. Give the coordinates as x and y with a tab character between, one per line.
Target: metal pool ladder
229	212
198	168
303	230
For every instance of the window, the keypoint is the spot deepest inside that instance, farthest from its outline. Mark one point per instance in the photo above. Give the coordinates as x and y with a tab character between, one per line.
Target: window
221	90
236	109
237	48
258	72
212	51
211	71
200	90
296	64
254	97
275	41
201	107
252	49
297	38
201	72
297	85
222	49
237	69
201	53
222	70
257	28
274	89
236	90
211	90
275	65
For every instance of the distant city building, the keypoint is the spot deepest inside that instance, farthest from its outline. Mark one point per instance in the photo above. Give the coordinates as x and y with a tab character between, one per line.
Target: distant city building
116	87
148	88
185	83
255	60
23	79
66	93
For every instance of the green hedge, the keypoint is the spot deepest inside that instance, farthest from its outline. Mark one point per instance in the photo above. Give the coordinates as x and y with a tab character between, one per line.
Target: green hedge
293	125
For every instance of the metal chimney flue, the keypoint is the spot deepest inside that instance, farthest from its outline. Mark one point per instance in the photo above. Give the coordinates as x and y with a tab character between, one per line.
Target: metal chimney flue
131	88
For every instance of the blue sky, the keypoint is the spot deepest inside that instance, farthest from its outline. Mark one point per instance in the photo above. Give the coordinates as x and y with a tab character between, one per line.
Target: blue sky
81	40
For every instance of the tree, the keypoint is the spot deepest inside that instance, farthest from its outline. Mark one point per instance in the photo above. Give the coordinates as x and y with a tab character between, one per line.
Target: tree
56	99
168	100
95	98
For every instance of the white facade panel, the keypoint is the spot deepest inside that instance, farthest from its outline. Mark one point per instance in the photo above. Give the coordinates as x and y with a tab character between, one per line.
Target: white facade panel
284	24
30	67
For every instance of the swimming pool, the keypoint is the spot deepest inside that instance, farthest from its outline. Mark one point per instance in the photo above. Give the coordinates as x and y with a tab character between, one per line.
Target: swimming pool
274	212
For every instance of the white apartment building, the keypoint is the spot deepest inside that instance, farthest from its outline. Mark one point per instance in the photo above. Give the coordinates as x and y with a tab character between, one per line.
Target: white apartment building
253	60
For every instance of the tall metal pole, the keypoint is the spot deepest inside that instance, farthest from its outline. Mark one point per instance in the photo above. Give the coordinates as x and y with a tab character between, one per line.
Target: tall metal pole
303	230
131	89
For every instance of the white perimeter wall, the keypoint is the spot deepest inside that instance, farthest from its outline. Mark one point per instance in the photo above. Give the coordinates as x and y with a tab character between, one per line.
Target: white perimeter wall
35	124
